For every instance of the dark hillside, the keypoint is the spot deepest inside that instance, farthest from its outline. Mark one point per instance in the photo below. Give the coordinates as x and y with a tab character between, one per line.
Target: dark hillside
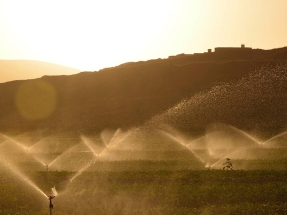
133	93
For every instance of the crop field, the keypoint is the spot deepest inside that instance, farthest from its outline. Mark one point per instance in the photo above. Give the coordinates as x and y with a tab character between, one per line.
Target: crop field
144	172
150	187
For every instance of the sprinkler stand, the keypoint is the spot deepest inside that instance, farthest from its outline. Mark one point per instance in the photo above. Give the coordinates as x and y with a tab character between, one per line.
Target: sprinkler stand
51	204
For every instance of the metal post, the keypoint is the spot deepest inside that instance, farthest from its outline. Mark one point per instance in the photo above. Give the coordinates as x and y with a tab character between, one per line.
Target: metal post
51	204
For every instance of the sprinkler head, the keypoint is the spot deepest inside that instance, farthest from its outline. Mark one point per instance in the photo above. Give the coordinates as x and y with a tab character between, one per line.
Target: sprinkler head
207	166
51	197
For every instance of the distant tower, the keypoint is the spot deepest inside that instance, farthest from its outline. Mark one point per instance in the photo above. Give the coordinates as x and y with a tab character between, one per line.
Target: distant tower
209	50
242	46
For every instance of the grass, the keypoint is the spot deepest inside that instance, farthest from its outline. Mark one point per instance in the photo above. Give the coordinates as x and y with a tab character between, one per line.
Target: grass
151	191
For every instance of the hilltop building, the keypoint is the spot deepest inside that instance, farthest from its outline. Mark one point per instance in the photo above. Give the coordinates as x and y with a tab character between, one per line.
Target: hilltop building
233	52
228	53
225	50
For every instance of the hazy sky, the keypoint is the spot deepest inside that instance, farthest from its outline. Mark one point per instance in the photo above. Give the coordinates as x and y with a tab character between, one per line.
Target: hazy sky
90	35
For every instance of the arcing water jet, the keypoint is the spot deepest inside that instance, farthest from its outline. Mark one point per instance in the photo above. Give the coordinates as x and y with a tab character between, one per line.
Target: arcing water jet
16	142
183	144
270	143
22	177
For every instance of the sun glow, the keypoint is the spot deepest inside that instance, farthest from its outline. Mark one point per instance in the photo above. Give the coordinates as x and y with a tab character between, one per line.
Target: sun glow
101	32
91	35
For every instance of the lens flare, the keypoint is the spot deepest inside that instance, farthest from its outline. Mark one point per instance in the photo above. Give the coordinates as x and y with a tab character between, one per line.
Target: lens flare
36	99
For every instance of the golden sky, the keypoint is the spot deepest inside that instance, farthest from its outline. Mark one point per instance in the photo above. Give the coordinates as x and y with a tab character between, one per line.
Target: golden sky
93	34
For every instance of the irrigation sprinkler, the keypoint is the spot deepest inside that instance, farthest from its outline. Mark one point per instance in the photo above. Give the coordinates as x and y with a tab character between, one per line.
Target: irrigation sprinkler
51	204
207	167
228	164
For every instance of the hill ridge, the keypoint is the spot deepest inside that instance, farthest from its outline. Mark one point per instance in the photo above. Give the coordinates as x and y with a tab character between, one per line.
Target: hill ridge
129	96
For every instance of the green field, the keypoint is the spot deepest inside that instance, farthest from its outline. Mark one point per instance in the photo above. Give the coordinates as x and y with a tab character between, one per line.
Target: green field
147	187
